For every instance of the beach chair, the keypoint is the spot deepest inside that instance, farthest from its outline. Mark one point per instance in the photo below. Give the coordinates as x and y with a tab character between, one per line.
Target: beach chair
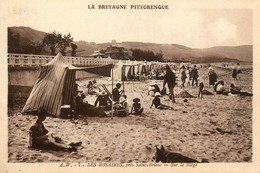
107	91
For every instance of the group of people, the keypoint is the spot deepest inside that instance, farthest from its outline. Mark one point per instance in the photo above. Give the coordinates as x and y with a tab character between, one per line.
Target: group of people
117	102
233	90
236	72
190	75
121	107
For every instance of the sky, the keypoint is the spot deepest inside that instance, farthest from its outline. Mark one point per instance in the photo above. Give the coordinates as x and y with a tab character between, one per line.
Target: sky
192	27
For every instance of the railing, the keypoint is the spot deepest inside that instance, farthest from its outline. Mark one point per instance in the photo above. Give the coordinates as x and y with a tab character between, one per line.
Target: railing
23	60
37	60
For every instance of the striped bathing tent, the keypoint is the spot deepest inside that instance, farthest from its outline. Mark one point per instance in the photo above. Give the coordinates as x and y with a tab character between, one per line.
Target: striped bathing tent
55	85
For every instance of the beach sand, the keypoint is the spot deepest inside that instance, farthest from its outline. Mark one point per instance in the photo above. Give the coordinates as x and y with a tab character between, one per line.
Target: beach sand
217	128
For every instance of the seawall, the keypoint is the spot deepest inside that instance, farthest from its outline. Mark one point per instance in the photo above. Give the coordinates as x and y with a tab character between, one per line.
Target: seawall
22	79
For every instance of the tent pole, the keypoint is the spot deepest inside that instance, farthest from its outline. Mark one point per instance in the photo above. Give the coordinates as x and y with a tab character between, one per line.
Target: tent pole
123	78
112	91
123	87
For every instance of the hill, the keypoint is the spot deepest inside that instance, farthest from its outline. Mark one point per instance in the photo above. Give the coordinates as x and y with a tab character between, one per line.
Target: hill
242	53
171	52
28	34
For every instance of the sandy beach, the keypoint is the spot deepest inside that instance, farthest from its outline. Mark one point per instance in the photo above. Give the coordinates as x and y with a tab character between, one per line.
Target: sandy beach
217	128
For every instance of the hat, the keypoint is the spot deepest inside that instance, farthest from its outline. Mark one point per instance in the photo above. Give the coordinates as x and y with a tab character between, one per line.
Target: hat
157	94
103	93
210	68
152	84
122	99
136	100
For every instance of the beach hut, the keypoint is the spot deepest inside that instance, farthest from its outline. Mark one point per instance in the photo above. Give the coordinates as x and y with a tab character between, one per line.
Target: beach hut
124	71
55	85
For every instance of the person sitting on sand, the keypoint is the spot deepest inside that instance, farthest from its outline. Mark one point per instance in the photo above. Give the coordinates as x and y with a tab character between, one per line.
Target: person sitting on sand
84	108
136	108
73	103
219	88
157	102
237	90
90	87
103	101
116	93
39	137
121	107
94	84
124	103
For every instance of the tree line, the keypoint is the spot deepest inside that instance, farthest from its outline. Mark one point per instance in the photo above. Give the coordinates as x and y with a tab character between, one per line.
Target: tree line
52	41
146	55
56	40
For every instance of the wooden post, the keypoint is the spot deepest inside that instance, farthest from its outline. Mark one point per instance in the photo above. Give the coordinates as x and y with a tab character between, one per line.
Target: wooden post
123	79
112	91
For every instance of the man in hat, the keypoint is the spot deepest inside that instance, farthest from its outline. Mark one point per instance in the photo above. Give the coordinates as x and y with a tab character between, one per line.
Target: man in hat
170	79
116	93
136	107
194	76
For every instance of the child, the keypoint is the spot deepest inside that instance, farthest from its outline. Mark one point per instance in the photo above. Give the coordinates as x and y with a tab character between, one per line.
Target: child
201	86
121	107
157	103
136	107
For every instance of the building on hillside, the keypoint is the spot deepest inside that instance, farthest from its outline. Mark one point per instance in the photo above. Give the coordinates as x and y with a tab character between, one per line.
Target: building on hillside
97	54
116	52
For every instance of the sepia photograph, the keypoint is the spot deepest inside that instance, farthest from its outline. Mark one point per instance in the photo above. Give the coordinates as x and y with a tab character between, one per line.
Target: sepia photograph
128	84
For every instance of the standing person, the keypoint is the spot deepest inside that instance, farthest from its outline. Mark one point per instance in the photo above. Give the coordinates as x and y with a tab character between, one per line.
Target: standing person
116	93
188	75
234	73
194	76
170	79
212	77
183	76
201	86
